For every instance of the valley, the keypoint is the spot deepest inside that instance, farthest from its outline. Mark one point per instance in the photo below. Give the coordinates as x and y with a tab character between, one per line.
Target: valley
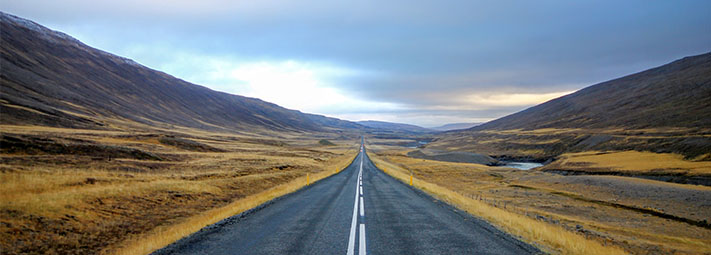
102	155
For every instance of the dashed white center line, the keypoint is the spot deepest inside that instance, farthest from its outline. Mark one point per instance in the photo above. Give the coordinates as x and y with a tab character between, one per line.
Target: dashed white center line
358	201
361	246
362	212
354	222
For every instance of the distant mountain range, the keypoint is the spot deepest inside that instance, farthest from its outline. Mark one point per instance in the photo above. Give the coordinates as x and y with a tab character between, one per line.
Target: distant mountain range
455	126
49	78
395	126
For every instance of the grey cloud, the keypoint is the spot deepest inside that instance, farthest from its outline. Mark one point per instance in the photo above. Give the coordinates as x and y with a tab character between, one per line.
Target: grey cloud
415	53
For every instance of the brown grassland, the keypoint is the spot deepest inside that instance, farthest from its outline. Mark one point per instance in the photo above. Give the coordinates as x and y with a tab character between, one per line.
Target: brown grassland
131	192
579	214
632	162
542	144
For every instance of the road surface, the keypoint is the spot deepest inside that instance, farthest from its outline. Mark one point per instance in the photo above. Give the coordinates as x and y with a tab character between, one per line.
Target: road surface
357	211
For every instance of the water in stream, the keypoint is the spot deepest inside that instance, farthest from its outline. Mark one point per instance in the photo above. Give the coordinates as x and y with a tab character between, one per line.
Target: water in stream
523	165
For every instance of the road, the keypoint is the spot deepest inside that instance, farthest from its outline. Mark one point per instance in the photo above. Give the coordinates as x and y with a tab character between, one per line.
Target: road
357	211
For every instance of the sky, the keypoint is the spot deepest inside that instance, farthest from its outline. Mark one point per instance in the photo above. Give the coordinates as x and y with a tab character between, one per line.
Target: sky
427	63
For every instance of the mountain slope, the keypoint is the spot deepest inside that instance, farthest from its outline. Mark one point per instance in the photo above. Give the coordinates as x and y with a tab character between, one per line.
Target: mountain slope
677	94
665	109
50	78
394	126
455	126
336	123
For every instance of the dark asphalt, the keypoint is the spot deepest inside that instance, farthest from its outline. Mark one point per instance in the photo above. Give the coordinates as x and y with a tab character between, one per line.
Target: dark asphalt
317	220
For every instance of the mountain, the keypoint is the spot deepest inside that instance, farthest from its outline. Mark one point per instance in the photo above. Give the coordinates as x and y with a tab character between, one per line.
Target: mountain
336	123
398	127
663	109
455	126
677	94
49	78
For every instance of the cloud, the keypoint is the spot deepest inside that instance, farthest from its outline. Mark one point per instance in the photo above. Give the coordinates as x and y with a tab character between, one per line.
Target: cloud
510	99
414	61
305	86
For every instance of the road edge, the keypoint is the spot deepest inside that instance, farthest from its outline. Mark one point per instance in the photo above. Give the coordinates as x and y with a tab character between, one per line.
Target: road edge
215	227
466	216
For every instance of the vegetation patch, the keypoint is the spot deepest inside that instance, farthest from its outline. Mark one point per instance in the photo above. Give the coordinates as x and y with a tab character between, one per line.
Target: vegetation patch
186	144
325	142
633	162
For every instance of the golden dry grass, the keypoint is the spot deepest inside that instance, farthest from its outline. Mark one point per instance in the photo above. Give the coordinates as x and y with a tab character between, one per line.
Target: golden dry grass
637	215
83	204
50	193
553	239
163	236
633	161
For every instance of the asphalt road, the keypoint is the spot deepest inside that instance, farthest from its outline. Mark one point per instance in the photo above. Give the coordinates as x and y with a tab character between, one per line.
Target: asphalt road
334	216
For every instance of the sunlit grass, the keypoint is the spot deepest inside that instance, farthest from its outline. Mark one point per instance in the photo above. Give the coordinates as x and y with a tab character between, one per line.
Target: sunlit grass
633	161
163	236
552	237
59	203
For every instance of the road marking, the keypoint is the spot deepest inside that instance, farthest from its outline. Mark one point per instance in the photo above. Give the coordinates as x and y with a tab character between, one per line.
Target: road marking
361	246
351	238
361	190
362	212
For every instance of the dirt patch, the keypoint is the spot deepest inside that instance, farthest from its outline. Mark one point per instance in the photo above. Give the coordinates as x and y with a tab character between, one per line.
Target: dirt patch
325	142
38	145
682	201
661	176
454	156
186	144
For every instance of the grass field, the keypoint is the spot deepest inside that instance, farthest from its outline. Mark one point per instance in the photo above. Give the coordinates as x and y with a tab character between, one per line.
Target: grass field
547	143
632	162
60	192
567	214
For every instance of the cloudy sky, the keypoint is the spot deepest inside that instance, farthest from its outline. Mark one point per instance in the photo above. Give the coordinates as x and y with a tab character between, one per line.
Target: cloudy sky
420	62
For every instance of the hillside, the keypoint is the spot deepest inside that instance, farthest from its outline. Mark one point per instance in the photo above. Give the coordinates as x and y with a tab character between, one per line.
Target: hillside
455	126
394	126
335	123
677	94
665	110
49	78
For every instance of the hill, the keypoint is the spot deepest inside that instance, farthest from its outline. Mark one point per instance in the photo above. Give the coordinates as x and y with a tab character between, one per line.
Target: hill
663	109
394	126
455	126
677	94
51	79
